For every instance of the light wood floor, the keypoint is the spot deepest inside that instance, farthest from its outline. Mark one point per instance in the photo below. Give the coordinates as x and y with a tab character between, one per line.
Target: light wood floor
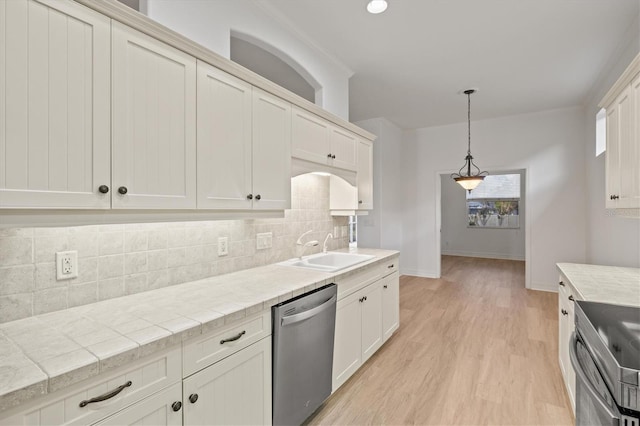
474	347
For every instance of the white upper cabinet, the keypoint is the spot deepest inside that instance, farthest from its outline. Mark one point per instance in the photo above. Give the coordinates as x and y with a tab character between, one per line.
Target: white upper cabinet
244	144
310	137
343	146
224	140
365	175
153	123
318	141
271	152
623	149
54	105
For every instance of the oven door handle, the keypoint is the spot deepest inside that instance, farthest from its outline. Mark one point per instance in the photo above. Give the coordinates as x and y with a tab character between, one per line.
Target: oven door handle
582	376
292	319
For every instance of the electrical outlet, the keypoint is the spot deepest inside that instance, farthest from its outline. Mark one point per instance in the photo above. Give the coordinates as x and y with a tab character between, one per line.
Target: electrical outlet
223	246
66	265
264	240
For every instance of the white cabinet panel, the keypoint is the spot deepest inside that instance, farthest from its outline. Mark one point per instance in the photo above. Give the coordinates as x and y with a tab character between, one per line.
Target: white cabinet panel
390	305
224	140
54	105
343	149
371	320
271	152
154	123
234	391
310	137
156	410
566	326
365	175
347	352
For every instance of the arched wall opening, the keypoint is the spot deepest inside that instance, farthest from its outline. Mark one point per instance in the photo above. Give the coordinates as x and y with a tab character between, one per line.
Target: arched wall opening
274	65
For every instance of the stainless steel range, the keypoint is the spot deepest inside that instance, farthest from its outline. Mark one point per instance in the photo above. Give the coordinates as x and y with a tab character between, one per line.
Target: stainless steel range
605	354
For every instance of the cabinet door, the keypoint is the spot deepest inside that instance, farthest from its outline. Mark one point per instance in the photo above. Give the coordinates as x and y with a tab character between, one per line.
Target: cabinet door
236	390
390	305
365	175
54	105
347	346
343	149
371	320
612	156
271	152
629	149
155	410
224	140
310	137
154	123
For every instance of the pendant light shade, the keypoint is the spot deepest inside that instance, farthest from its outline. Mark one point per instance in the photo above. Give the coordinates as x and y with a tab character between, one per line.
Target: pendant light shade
468	180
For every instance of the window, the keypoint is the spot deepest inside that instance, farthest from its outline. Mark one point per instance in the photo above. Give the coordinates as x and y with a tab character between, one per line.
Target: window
601	131
353	231
495	203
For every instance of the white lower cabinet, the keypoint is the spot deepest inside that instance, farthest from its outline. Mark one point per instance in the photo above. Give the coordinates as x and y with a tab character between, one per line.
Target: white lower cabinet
566	326
234	391
390	305
365	319
161	409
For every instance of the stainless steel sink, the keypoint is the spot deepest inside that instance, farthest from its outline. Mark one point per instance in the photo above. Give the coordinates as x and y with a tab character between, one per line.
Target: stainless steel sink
329	262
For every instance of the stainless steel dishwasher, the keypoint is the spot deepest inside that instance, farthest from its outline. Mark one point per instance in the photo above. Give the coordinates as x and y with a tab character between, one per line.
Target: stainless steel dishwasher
303	332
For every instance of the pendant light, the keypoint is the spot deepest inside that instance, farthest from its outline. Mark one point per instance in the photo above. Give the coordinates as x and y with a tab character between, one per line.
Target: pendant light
469	181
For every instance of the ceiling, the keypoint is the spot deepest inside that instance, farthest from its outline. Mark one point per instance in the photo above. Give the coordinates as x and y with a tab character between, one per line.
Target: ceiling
411	62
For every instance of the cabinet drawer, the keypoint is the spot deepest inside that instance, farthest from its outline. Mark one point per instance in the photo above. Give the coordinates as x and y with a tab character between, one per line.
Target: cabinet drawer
146	376
205	350
389	266
354	281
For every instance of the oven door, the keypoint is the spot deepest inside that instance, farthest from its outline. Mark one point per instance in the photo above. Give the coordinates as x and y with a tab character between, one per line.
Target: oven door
594	403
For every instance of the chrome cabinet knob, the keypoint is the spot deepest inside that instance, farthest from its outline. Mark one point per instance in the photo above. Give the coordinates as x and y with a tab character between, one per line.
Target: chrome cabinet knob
103	189
176	406
123	190
193	398
258	197
250	197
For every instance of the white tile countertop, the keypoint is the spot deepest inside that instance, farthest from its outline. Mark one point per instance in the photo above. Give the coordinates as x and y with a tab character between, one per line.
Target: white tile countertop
46	353
606	284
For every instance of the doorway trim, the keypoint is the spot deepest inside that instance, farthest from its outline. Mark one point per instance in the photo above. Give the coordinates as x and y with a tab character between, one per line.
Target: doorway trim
527	225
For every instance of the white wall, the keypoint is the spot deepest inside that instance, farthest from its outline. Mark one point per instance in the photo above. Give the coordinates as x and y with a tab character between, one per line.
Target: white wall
549	145
382	228
210	23
460	240
611	238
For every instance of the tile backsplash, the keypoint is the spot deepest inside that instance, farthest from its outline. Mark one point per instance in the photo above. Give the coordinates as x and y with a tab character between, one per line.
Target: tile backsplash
116	260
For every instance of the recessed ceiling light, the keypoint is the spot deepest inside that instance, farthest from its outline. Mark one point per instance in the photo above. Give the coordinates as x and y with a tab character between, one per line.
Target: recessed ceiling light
377	6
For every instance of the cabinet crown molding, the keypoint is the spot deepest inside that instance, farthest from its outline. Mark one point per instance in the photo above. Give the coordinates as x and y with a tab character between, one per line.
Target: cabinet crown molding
623	81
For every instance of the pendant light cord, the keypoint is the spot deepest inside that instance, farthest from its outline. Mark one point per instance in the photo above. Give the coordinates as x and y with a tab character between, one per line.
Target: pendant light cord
469	121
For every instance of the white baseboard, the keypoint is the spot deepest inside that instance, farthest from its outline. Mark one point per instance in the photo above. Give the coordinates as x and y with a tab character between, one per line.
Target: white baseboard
484	255
544	286
417	273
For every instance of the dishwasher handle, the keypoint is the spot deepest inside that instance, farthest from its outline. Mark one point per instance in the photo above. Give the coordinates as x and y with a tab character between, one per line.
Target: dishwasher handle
292	319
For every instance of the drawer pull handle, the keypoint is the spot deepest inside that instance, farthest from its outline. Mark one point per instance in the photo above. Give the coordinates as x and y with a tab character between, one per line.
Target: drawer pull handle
571	298
390	266
234	338
106	396
564	312
561	284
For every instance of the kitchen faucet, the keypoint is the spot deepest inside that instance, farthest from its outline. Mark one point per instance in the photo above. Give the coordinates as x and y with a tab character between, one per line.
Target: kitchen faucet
324	245
311	243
